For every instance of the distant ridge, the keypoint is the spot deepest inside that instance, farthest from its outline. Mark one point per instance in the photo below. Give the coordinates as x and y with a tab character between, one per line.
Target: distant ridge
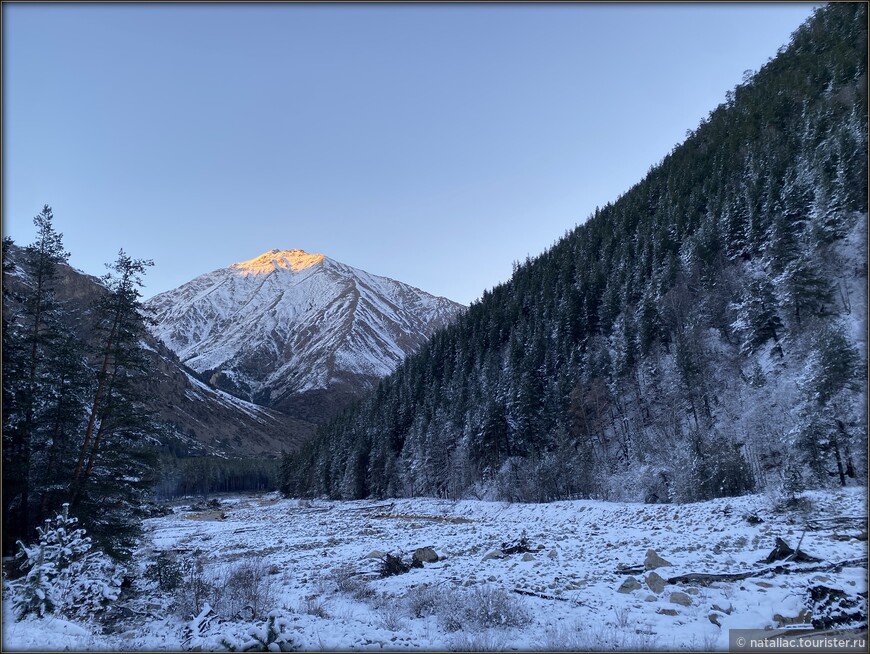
296	331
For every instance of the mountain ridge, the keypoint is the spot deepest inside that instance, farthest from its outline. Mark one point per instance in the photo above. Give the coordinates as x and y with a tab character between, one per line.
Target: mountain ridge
300	332
197	419
703	335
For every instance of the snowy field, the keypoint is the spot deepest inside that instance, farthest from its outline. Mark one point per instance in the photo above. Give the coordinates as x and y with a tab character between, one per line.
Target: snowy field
316	566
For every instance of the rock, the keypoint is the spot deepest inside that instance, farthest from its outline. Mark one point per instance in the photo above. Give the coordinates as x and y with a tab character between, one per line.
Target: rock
376	554
494	554
650	598
553	554
691	590
653	561
763	584
714	618
655	582
834	608
805	616
667	612
629	585
528	557
681	598
425	555
727	611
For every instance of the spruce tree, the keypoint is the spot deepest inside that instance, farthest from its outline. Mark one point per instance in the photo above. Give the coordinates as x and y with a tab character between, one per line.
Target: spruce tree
116	458
33	339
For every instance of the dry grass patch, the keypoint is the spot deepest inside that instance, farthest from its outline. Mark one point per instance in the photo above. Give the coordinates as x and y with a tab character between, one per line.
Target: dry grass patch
218	516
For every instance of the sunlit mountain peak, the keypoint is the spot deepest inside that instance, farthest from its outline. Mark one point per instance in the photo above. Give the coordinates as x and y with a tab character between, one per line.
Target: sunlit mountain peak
294	260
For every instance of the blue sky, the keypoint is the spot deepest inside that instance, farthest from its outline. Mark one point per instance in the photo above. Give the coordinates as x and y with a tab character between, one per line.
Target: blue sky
435	144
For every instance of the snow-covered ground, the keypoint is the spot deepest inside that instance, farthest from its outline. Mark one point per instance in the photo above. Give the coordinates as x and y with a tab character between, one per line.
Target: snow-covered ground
320	573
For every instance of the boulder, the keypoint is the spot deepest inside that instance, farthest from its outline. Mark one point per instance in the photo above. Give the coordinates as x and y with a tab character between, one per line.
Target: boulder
681	598
655	583
528	557
494	554
671	612
553	554
425	555
653	561
629	585
804	617
376	554
714	618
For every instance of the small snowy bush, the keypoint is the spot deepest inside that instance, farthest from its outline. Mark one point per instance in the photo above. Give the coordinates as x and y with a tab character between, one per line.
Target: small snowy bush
207	632
63	575
243	589
423	601
347	580
167	571
483	641
481	608
271	635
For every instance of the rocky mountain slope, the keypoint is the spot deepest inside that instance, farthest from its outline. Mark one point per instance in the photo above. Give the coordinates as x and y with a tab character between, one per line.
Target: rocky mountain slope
703	335
197	419
299	332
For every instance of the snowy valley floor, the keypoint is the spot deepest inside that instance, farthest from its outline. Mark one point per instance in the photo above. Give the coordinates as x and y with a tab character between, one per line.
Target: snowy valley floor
317	573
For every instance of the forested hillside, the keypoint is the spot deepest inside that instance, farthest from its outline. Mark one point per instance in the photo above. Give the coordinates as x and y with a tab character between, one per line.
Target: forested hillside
704	335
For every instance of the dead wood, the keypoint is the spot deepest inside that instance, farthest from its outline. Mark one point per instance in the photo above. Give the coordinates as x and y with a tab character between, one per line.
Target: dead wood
782	552
785	568
532	593
623	569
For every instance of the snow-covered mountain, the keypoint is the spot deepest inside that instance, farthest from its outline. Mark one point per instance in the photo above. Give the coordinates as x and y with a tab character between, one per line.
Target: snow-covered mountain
197	420
297	331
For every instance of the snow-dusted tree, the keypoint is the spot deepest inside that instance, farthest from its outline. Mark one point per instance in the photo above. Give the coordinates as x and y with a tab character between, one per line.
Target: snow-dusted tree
758	319
826	431
63	573
115	463
40	405
804	288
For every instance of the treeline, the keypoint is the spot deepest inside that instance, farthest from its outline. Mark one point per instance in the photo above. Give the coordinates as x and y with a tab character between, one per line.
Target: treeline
74	429
696	338
210	474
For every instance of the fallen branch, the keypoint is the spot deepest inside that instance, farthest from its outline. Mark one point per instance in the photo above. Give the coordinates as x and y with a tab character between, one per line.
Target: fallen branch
623	569
818	524
707	578
532	593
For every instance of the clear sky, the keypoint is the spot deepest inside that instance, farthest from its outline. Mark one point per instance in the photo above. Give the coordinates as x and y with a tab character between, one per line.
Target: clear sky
434	144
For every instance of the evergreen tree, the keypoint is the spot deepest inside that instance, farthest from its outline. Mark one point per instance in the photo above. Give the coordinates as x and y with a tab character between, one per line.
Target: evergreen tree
116	458
34	340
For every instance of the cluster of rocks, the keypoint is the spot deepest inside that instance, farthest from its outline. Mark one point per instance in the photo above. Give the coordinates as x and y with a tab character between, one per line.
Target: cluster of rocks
654	582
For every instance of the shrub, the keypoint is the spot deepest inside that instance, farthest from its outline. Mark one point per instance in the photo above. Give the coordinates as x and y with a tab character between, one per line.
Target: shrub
244	589
167	571
207	632
494	607
271	635
347	580
422	601
474	610
63	574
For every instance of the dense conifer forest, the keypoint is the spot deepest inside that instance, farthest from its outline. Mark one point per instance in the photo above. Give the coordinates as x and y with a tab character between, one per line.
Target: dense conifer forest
704	335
